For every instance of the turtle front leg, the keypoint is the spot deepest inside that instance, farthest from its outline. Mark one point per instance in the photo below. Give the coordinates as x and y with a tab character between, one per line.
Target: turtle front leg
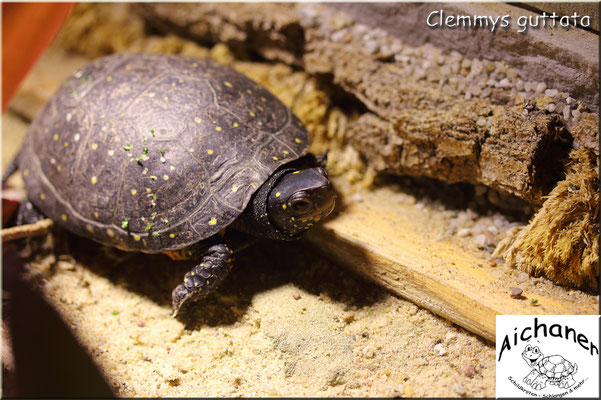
216	260
528	379
540	382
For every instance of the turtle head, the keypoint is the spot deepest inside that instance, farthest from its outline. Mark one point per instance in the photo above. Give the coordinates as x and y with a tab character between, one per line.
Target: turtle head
300	199
532	355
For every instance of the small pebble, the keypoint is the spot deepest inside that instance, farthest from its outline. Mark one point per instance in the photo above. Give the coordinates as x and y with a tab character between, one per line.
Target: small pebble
440	349
522	277
516	292
459	389
551	107
540	88
492	263
338	35
464	232
551	92
520	85
512	73
296	295
481	122
371	46
480	240
369	352
450	336
469	370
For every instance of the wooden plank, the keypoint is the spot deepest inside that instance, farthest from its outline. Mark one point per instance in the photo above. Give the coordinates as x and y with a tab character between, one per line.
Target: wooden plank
376	240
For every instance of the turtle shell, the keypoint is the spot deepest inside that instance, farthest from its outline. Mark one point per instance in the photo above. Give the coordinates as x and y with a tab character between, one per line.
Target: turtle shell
556	367
155	152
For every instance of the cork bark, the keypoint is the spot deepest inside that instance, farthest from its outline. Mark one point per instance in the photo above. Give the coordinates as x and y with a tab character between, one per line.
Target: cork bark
406	124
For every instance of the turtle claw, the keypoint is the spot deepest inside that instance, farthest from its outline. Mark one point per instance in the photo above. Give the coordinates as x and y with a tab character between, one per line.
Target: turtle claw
204	278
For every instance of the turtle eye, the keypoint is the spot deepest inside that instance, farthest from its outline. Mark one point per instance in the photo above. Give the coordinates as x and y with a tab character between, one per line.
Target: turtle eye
536	350
301	205
528	348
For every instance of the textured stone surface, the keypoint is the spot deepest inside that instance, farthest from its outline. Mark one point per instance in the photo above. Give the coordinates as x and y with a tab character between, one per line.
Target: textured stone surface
566	59
417	117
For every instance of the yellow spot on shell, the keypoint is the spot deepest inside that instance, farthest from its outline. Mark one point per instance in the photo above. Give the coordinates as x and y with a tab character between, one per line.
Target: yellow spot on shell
295	172
210	152
137	238
172	168
263	99
151	94
59	168
249	91
111	152
228	84
64	217
252	114
277	194
218	129
66	144
260	108
286	152
55	137
235	125
283	206
275	158
297	140
134	192
26	172
172	235
94	180
213	221
166	177
43	196
110	232
197	120
234	189
89	228
94	146
109	78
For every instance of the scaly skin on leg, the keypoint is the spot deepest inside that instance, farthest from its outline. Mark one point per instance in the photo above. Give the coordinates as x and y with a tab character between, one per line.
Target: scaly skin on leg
215	263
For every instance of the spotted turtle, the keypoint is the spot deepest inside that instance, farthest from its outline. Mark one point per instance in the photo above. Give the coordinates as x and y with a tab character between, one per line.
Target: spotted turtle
159	153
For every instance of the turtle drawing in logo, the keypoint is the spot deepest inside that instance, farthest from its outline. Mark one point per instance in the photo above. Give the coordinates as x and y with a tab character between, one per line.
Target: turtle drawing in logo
555	369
